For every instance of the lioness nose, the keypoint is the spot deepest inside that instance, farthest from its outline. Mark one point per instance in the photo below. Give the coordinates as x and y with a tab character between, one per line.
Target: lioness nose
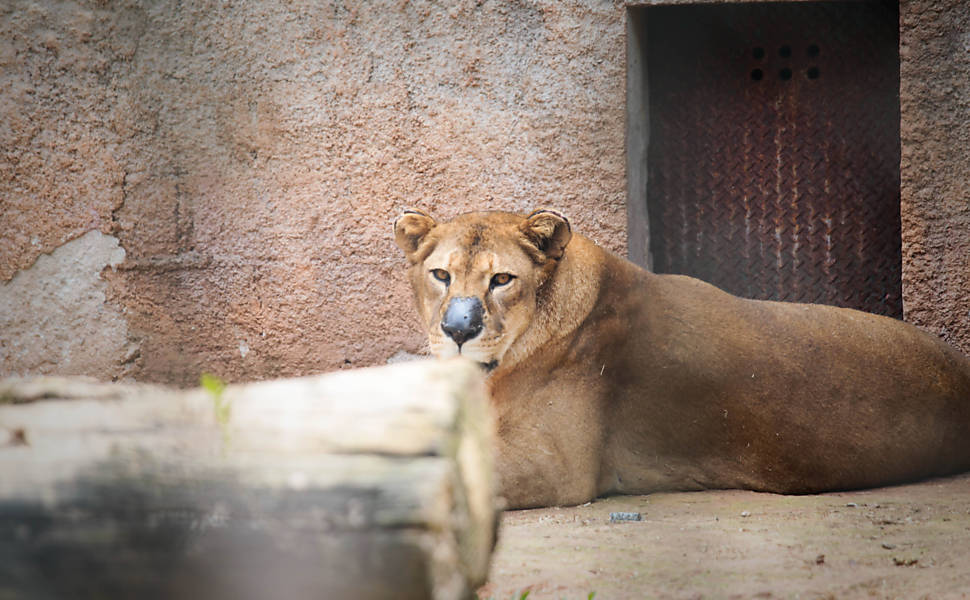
463	319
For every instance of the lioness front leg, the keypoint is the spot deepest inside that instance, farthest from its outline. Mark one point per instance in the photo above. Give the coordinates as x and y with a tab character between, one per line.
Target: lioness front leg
535	471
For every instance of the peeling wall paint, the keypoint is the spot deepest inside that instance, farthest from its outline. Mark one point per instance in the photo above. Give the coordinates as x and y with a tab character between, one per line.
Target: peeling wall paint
54	317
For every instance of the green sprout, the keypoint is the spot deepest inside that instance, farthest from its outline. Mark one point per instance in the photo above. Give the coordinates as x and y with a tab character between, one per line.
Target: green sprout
223	408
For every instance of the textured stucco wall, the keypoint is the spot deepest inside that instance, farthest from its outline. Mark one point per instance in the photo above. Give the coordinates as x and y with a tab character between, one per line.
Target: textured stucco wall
935	168
250	158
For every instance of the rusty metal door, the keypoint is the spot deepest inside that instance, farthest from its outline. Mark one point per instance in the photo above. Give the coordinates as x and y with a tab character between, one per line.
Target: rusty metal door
773	161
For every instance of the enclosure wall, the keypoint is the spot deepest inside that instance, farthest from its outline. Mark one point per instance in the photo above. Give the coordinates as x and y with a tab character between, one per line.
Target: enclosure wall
237	167
935	168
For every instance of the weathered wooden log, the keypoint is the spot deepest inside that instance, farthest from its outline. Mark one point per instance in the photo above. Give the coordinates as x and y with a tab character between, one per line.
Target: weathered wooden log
373	483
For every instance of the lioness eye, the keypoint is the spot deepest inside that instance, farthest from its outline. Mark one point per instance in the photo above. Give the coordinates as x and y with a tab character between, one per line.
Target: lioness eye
500	279
441	275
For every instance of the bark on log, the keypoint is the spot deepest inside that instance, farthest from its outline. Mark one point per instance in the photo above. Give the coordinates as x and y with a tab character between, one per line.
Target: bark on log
374	483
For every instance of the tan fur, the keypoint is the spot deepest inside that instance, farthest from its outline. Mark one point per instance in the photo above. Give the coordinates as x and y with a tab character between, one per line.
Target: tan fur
610	379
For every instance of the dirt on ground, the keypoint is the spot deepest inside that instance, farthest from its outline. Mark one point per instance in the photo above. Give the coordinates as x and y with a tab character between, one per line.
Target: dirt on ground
909	541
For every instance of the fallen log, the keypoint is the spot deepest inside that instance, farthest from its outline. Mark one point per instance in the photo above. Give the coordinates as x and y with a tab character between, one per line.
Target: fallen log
374	483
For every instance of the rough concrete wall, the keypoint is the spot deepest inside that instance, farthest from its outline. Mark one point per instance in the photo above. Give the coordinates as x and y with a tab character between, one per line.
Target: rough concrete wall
935	132
250	159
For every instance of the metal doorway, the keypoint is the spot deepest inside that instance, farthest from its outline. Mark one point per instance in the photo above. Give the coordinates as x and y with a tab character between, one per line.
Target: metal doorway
772	152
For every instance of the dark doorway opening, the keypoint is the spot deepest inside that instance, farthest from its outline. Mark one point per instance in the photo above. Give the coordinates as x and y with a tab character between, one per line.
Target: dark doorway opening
764	148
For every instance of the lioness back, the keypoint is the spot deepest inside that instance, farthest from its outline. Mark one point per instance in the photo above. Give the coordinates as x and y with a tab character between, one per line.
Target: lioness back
607	378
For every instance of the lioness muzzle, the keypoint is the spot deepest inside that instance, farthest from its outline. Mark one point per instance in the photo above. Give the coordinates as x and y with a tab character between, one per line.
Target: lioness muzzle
463	319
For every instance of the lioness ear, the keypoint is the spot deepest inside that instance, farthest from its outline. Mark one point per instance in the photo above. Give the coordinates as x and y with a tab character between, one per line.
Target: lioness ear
549	231
410	229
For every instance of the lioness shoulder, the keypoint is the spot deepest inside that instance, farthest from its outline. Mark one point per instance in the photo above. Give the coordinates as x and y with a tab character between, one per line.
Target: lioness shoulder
606	378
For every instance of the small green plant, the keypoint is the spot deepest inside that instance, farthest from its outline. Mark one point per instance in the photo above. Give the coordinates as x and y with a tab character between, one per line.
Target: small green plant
223	408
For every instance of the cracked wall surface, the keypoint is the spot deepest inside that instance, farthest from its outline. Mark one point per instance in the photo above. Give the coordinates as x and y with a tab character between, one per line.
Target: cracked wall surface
250	158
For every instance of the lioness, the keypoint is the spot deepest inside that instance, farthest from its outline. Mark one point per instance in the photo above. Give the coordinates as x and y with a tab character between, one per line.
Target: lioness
606	378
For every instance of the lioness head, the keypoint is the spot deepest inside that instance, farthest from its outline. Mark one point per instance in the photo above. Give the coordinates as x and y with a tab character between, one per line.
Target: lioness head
477	279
